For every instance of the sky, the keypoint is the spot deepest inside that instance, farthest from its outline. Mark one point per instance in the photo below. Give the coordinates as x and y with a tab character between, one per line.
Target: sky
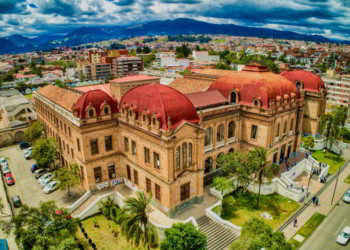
330	18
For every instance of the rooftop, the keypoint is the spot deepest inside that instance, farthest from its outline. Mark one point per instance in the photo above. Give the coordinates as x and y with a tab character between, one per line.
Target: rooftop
190	85
133	78
104	87
206	98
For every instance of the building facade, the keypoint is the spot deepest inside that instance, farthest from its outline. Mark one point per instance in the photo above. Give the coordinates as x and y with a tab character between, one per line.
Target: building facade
97	71
126	65
165	142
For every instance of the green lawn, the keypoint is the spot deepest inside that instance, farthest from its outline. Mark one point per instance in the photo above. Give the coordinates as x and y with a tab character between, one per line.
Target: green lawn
222	40
333	160
308	228
347	180
28	96
278	206
103	235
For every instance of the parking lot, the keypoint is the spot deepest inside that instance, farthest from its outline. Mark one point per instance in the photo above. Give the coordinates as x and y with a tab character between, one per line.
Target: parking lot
26	186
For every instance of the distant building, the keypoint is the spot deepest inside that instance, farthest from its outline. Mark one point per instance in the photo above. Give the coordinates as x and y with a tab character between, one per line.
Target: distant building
338	91
126	65
95	57
164	60
204	56
97	71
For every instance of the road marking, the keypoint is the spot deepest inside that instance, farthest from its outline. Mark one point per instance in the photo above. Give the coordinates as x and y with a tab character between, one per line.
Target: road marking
340	227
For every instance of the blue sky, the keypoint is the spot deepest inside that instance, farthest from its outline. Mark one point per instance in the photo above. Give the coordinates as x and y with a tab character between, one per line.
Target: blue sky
330	18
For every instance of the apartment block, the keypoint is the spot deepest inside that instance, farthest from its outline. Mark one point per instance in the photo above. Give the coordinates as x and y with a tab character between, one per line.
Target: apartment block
126	65
97	71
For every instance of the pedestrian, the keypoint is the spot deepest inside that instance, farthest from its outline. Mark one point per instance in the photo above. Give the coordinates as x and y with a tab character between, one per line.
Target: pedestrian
314	200
295	222
317	201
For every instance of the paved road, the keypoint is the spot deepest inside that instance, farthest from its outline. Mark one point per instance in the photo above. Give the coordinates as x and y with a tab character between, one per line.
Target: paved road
325	235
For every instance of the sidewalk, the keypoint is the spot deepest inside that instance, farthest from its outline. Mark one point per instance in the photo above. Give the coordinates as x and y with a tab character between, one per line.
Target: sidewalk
324	207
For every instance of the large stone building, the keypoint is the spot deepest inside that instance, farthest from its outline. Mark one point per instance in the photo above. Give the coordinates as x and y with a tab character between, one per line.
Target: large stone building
166	142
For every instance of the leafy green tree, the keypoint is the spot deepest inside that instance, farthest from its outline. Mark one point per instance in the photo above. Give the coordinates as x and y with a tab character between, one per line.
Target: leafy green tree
182	51
134	221
228	205
106	207
34	132
329	127
68	177
198	48
45	151
341	114
43	227
223	185
184	236
138	50
222	66
21	85
264	169
146	50
308	141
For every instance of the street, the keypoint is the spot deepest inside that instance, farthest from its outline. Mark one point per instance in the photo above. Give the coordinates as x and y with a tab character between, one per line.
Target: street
325	235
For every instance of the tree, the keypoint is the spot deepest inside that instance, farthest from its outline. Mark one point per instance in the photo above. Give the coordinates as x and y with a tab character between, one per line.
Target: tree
222	66
341	114
146	50
198	48
21	85
183	51
43	227
134	221
45	151
68	177
308	142
264	169
106	207
138	50
256	234
223	185
183	236
34	132
2	207
329	127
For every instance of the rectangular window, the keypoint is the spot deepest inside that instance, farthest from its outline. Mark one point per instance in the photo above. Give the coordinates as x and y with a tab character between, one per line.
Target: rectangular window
285	127
126	144
98	174
277	130
94	146
185	191
148	186
133	148
111	170
65	129
82	172
254	132
136	177
157	188
108	143
72	152
291	124
61	125
78	144
147	156
69	132
156	160
128	170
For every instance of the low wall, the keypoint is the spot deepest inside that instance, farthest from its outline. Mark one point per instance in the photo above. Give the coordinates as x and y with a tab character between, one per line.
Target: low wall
324	173
80	201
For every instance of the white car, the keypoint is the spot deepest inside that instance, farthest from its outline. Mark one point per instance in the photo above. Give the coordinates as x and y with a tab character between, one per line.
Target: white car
28	154
346	197
344	236
3	161
27	150
44	177
51	186
6	169
45	182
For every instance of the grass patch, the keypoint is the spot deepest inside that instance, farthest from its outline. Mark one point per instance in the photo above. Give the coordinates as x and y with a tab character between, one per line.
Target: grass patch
278	206
347	180
28	96
308	228
103	235
222	40
333	160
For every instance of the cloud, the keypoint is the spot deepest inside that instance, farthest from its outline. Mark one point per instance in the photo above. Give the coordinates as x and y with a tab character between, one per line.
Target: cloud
12	6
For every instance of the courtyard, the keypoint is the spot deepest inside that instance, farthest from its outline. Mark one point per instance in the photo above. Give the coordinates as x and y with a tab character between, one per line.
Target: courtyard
333	160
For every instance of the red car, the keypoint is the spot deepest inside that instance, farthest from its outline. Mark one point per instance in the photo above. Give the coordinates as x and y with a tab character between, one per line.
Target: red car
9	179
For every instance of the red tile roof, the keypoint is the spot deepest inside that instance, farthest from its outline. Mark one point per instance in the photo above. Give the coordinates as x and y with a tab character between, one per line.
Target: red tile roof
206	98
311	81
133	78
103	87
190	85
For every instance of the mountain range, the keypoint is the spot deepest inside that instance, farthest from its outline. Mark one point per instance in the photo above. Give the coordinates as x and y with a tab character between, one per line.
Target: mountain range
181	26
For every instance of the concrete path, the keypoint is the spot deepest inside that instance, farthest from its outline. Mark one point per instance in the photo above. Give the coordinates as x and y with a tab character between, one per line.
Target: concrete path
325	206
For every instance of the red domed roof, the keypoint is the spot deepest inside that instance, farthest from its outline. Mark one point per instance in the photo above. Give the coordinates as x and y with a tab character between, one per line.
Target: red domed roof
164	101
97	99
253	84
311	81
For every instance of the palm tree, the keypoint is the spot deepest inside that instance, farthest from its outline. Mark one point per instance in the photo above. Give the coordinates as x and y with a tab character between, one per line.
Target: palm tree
264	169
329	127
134	221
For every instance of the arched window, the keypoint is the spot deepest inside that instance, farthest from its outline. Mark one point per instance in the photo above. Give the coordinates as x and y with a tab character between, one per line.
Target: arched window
299	85
154	121
91	113
144	118
130	113
189	154
220	133
208	140
231	129
184	155
106	110
256	102
233	97
208	165
231	150
177	158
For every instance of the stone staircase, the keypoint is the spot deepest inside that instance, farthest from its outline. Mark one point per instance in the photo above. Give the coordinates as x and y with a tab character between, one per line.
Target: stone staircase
219	237
3	119
83	206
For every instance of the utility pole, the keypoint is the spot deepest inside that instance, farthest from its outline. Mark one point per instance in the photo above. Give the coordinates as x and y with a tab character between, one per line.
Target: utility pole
336	183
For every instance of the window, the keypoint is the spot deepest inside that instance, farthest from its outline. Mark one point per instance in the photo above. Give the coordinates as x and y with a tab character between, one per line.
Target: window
254	131
184	155
208	140
94	146
148	186
177	158
185	191
147	156
111	170
82	172
285	127
156	160
65	128
136	177
128	172
91	113
233	98
61	125
78	144
220	133
277	130
133	148
189	154
126	144
69	132
108	143
231	129
291	124
72	152
98	174
106	110
157	188
208	165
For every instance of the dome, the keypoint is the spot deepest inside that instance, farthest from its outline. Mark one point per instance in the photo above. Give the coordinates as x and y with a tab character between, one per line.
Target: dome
255	82
163	101
310	81
96	99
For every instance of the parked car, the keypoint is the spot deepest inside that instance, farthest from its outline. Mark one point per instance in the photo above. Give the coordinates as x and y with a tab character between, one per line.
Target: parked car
39	172
16	201
346	197
45	182
5	169
24	144
3	161
28	154
344	236
9	179
33	168
27	150
44	177
51	186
